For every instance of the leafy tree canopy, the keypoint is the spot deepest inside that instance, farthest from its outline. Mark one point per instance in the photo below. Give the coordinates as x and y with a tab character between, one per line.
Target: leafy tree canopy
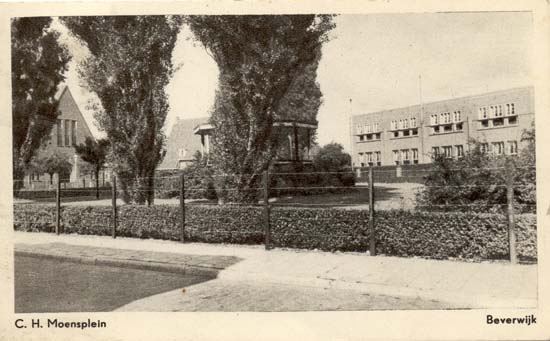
267	72
128	68
54	163
38	63
95	154
331	158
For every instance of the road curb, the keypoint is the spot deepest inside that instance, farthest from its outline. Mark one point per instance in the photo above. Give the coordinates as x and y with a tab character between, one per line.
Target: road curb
125	263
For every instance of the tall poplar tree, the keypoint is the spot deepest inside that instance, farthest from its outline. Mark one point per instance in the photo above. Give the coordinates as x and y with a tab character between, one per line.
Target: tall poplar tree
128	68
260	59
38	64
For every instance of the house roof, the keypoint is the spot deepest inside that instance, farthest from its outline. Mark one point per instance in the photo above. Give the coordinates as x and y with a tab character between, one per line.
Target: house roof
182	137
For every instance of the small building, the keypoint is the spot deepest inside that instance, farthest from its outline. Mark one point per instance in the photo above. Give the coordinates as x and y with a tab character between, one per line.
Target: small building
182	144
69	130
294	145
412	135
189	136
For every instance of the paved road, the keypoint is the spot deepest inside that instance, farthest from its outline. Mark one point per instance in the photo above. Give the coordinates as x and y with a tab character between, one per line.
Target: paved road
50	285
459	284
54	285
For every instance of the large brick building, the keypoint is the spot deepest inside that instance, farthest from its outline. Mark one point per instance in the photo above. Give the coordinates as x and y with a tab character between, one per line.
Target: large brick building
412	135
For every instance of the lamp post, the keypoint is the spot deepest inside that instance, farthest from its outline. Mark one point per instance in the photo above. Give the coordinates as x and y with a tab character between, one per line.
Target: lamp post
351	132
421	129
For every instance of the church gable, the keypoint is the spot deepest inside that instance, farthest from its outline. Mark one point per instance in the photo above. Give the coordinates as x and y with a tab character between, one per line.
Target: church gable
70	128
69	111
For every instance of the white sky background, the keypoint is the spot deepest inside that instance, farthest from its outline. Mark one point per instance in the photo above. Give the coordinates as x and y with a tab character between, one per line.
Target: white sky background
373	59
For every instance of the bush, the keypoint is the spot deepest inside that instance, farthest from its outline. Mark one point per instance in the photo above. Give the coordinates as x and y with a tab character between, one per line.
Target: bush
453	235
329	172
478	180
199	181
399	233
323	229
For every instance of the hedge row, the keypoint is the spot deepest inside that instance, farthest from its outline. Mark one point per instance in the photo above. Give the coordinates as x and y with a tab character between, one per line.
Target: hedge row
104	192
400	233
236	224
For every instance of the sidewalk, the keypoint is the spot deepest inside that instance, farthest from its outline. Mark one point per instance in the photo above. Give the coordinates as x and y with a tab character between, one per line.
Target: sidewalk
142	260
461	284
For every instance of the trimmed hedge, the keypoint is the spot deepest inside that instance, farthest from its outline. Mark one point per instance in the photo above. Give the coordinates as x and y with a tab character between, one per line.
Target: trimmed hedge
236	224
399	233
104	192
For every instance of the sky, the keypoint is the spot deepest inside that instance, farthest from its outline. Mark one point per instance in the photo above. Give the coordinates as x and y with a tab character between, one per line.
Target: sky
379	61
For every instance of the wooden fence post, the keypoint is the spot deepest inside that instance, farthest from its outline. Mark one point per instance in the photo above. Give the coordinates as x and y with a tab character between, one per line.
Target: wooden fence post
267	225
182	207
114	217
372	233
510	214
58	207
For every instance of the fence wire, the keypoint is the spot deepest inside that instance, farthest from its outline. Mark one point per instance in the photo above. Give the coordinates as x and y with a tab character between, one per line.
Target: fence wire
266	199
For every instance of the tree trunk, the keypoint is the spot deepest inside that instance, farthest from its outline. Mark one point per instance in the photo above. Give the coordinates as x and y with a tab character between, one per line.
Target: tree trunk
97	184
151	192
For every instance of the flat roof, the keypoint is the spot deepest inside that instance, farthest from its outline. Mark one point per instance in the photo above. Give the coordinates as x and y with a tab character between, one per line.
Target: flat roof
447	100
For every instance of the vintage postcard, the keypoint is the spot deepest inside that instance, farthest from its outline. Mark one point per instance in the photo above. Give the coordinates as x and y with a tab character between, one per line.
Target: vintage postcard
275	170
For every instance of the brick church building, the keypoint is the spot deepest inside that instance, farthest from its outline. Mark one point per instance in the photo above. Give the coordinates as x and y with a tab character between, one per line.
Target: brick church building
69	130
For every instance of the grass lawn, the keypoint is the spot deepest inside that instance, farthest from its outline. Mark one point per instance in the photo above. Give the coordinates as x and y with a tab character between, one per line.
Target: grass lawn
387	196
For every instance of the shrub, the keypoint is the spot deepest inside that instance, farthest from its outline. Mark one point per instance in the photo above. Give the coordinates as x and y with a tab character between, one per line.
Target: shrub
323	229
199	181
329	173
478	181
398	233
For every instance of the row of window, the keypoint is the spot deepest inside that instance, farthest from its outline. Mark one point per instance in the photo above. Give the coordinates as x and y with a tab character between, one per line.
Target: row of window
446	122
404	123
445	118
405	132
499	110
410	156
497	148
368	128
66	133
370	137
445	128
498	122
370	159
449	151
405	156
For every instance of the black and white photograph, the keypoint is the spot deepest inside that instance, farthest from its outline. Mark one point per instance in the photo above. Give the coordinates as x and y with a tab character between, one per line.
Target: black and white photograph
274	163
